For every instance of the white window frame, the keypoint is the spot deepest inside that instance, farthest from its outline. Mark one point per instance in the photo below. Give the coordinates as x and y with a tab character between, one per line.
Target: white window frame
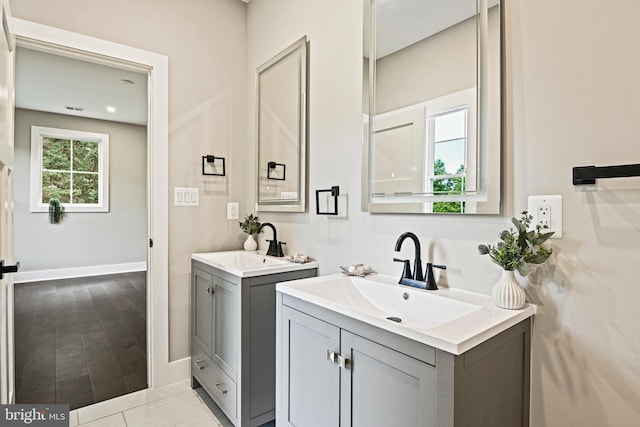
38	133
463	100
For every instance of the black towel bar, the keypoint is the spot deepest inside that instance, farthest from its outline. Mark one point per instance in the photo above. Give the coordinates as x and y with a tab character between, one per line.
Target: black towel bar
583	175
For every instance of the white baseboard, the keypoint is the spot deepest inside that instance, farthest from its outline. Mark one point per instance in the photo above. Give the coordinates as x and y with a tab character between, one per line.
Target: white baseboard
68	273
179	370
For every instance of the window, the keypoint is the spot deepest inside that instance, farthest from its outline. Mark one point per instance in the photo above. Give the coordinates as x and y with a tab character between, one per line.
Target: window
449	154
452	149
71	166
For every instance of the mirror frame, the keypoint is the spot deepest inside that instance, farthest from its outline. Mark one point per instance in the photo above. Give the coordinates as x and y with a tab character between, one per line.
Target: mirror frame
298	48
414	203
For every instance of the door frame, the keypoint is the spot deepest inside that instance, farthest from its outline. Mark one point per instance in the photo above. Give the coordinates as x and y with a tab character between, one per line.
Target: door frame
160	371
7	366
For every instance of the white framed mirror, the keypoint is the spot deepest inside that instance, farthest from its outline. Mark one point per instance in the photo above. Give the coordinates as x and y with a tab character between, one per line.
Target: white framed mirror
432	116
281	85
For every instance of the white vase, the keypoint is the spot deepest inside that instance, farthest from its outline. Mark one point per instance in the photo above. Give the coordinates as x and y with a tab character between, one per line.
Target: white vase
250	244
507	292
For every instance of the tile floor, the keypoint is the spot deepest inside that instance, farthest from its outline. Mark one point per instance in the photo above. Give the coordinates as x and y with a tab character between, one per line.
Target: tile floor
174	405
80	341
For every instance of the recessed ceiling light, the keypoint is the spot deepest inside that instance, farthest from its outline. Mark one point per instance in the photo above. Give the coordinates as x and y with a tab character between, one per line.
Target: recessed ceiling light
126	81
111	109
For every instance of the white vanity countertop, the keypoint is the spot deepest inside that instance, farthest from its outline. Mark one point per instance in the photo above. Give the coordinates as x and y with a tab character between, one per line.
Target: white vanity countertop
250	263
449	319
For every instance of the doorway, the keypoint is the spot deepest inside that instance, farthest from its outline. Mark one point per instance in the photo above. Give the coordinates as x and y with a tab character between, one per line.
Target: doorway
83	340
35	36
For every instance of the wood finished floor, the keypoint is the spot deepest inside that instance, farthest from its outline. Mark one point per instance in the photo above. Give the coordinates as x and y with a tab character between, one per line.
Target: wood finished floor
80	341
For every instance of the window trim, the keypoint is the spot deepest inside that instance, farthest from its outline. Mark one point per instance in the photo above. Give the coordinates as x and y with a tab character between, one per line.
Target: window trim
457	101
37	135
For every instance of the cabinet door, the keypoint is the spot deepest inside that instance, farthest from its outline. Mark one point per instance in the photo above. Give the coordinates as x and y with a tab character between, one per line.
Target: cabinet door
381	387
202	305
311	382
226	322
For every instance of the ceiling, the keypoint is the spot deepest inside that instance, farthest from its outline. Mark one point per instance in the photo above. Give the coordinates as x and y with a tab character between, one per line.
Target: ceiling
57	84
401	23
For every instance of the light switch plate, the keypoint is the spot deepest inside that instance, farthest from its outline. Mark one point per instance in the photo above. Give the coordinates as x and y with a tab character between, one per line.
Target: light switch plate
547	210
183	196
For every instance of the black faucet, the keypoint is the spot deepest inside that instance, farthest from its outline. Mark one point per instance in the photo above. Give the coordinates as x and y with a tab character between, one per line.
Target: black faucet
275	247
417	280
430	279
417	264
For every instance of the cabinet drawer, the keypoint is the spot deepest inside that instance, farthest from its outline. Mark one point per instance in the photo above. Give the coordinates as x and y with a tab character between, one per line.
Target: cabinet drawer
219	385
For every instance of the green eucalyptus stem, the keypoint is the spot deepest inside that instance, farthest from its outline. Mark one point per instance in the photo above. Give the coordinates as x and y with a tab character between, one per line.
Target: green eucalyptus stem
517	248
56	211
251	224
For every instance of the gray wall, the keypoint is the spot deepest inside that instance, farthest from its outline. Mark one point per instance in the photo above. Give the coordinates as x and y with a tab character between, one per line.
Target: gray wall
84	238
205	43
410	75
572	98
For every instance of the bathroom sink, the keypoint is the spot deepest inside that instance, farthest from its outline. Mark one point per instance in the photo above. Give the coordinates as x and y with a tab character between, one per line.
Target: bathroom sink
450	319
407	306
249	263
417	309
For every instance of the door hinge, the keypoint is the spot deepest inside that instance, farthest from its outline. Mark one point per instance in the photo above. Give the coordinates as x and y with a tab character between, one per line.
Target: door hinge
150	243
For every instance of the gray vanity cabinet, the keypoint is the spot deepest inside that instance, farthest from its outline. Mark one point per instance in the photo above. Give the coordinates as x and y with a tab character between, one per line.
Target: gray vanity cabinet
202	289
386	388
310	383
334	370
321	389
233	328
215	330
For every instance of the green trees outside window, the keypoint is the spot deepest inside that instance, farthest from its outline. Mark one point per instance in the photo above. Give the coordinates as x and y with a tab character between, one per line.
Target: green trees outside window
454	186
70	171
70	166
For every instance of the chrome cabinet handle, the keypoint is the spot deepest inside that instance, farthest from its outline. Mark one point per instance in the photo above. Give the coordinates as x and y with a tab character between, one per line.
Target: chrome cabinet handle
197	364
338	359
343	362
220	389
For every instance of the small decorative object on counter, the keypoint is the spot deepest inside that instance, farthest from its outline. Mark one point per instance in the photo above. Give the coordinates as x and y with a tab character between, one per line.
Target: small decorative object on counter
356	270
515	251
298	258
56	211
251	226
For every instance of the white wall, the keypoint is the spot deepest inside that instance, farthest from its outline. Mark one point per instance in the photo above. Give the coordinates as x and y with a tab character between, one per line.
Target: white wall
84	239
576	96
573	97
409	76
205	43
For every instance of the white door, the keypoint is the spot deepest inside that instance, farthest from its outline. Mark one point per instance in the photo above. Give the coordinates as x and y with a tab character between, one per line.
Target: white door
7	53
